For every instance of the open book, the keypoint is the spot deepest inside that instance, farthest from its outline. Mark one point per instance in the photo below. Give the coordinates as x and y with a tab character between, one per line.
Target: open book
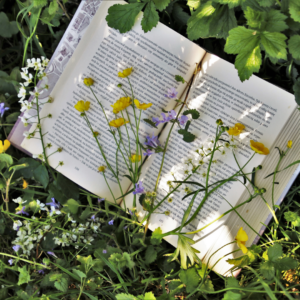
269	114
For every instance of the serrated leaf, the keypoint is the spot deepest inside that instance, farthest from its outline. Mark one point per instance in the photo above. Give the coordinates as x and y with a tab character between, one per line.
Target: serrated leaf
195	114
24	276
62	284
189	137
272	21
40	3
125	297
274	252
294	9
150	18
53	7
294	46
156	236
150	255
190	278
129	262
230	3
122	17
179	78
79	273
7	28
161	4
274	44
290	216
267	269
151	123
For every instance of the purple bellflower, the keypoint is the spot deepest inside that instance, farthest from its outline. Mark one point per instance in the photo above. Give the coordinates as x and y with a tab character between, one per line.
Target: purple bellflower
171	93
52	253
93	218
139	188
157	121
22	211
11	261
148	152
53	203
183	119
172	114
152	141
3	109
111	222
104	251
16	248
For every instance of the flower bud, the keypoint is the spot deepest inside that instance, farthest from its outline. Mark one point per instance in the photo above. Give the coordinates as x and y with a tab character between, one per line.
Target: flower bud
119	85
88	81
263	190
259	167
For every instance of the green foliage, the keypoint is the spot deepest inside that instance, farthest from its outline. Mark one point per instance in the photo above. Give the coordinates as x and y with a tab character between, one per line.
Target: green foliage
41	175
195	114
150	18
179	78
24	276
294	46
7	28
190	278
292	217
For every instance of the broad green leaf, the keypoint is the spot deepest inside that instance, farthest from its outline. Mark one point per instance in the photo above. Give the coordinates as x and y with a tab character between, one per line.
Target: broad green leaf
79	273
156	236
48	243
53	7
12	118
6	158
266	3
150	18
179	15
267	269
188	137
232	282
128	259
190	278
7	28
41	175
194	4
149	296
230	295
62	284
274	44
72	205
290	216
272	21
253	252
40	3
125	297
256	4
231	3
86	262
294	46
24	276
6	85
150	255
208	286
55	276
122	17
28	171
240	261
195	114
161	4
286	263
274	252
294	9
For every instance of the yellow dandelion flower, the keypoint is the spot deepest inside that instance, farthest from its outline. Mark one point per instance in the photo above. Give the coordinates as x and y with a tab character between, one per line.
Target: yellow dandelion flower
259	147
125	72
118	122
289	144
88	81
236	129
121	104
241	239
142	106
135	158
25	184
4	146
82	106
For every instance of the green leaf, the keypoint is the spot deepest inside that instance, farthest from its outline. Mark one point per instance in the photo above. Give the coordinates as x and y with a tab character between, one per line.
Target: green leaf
267	269
150	18
6	159
72	205
253	252
188	137
149	296
79	273
125	297
156	236
6	85
62	284
122	17
12	118
28	171
296	89
195	114
41	175
90	296
178	78
55	276
86	262
7	28
24	276
240	261
179	15
294	9
150	255
53	7
266	3
194	3
274	252
290	216
274	44
231	3
272	21
128	259
286	263
161	4
230	295
256	4
39	3
151	123
294	46
190	278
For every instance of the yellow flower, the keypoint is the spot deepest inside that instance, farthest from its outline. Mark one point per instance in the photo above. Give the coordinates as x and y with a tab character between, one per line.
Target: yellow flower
125	72
4	146
82	106
121	104
236	129
241	239
142	106
259	147
289	144
25	184
102	169
118	122
88	81
135	158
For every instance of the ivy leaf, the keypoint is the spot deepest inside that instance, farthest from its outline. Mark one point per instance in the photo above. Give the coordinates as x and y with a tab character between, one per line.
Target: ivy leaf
296	89
272	21
274	252
122	17
150	18
161	4
294	9
40	3
230	3
150	255
24	276
190	278
294	46
267	269
274	44
7	28
195	114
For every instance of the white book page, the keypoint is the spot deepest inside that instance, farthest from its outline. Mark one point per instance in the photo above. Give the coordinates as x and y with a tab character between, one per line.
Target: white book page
156	57
217	93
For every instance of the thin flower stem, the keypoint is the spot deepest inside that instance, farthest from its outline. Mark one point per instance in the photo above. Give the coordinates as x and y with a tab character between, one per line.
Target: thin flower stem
127	133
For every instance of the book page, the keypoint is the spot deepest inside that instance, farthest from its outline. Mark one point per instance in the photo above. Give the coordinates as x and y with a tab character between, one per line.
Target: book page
217	93
156	57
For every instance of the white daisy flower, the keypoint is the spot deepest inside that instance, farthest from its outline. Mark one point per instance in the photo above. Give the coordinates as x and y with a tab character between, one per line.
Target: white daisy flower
19	200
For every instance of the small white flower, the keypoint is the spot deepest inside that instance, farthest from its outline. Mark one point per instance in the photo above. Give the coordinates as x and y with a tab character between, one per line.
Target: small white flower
19	200
27	78
44	83
54	211
36	92
22	93
40	205
45	62
17	225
